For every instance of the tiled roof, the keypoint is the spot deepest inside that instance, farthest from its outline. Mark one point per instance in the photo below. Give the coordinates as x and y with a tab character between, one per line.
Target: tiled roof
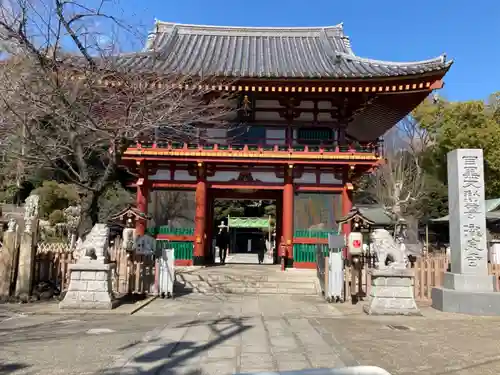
490	206
374	214
254	52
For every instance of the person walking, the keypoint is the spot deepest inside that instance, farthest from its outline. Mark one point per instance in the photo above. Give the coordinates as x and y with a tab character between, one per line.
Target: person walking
222	242
261	249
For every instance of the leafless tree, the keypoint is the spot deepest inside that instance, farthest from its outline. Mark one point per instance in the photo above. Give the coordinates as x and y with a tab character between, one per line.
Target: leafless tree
172	206
69	102
399	184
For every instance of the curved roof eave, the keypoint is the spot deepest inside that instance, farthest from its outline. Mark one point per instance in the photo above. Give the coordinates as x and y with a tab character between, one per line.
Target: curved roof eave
431	67
435	60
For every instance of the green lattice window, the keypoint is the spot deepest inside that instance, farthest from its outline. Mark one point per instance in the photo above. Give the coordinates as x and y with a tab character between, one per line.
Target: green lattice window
182	249
306	253
175	231
307	233
315	136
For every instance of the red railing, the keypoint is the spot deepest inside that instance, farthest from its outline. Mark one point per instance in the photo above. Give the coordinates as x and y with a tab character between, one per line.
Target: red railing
267	144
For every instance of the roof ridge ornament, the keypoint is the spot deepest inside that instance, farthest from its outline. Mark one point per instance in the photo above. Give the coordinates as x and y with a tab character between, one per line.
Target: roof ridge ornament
165	47
193	27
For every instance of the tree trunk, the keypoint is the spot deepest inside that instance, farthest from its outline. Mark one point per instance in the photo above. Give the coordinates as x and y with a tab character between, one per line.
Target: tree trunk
89	213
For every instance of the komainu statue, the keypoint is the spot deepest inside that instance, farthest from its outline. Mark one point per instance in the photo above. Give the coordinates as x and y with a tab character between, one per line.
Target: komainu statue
385	246
95	245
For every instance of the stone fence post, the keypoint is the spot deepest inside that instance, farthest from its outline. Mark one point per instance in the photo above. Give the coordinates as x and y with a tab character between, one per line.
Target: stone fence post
27	250
8	260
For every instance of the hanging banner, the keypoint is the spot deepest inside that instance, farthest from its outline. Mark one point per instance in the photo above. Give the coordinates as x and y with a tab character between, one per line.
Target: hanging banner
248	222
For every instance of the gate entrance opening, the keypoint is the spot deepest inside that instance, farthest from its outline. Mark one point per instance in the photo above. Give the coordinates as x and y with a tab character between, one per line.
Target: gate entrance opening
250	224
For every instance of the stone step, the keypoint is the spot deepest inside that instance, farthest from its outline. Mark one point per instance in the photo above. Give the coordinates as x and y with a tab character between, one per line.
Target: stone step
246	281
246	277
232	287
248	290
235	279
238	284
234	269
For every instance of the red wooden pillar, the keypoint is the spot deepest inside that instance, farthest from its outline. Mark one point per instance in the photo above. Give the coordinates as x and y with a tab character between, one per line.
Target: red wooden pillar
288	215
200	218
209	228
346	207
279	227
142	198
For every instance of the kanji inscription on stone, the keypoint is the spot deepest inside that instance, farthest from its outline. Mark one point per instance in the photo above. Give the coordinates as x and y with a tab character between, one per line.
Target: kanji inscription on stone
467	212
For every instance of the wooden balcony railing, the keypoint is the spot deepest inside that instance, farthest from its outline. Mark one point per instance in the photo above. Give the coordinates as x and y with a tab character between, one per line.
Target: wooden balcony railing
267	145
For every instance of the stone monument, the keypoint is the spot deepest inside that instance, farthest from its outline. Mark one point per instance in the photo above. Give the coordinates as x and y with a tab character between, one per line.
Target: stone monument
27	248
90	278
72	216
391	285
468	288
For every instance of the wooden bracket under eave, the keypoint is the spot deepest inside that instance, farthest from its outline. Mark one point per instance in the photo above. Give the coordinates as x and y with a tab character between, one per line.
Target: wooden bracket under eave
439	84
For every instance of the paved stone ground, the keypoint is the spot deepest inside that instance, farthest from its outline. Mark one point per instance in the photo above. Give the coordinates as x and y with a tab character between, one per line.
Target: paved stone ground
225	334
72	344
189	335
238	334
244	258
437	343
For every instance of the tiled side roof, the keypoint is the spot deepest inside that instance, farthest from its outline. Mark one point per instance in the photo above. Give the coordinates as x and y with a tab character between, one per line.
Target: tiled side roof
253	52
375	215
489	205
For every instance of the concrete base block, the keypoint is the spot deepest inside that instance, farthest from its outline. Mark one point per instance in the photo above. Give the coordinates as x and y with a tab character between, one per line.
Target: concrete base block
90	287
469	283
392	293
466	302
65	305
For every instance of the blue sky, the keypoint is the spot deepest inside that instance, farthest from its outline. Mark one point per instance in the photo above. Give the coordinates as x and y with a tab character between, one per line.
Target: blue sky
400	30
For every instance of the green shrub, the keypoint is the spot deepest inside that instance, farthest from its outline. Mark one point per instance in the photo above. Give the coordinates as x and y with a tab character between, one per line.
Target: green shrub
54	197
56	217
114	199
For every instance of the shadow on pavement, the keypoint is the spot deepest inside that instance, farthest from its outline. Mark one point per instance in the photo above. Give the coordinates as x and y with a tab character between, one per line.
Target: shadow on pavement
42	331
131	298
176	358
8	368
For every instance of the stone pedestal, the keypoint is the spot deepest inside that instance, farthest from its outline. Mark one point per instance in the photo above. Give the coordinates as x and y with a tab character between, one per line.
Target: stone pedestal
392	293
467	294
467	288
89	287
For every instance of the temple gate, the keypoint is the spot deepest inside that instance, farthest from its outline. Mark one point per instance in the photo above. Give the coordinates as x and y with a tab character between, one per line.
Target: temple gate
312	121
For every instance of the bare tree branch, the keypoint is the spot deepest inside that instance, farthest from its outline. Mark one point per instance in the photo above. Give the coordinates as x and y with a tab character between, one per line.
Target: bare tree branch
399	184
74	108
